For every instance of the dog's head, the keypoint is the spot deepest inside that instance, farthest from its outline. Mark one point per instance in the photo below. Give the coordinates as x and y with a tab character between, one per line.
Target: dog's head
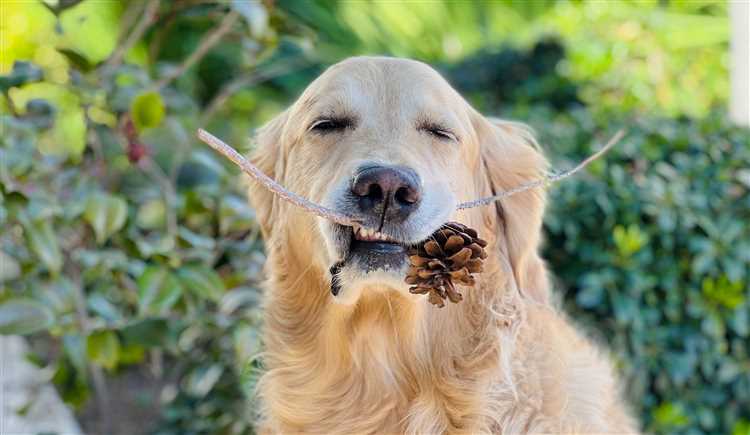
389	142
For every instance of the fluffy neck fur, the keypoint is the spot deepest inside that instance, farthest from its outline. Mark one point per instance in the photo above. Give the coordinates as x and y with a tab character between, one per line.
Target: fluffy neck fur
412	367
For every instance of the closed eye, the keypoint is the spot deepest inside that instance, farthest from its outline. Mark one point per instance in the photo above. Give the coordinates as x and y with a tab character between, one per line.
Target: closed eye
330	125
439	132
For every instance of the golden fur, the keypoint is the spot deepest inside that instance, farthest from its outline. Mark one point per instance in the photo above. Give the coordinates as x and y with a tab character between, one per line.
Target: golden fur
504	360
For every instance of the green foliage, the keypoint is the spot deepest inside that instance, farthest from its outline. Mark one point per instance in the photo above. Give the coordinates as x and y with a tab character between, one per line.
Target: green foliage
658	57
651	250
123	242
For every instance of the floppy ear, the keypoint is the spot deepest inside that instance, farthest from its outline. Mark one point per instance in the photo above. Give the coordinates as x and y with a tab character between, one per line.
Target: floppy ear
511	157
268	157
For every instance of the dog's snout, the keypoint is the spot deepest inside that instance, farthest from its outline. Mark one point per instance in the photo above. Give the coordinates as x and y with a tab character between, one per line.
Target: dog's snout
389	190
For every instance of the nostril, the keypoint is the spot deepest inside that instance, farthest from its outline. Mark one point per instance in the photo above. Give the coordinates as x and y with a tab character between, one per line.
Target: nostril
406	195
375	192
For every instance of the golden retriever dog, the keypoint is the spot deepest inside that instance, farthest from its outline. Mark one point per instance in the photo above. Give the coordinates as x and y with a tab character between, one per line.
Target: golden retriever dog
348	349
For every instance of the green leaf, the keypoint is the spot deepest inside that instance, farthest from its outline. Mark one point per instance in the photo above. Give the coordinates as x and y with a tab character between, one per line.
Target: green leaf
23	316
9	268
43	242
76	59
106	214
22	73
147	110
108	311
202	379
202	281
158	290
132	354
103	348
669	414
152	214
149	332
40	113
741	427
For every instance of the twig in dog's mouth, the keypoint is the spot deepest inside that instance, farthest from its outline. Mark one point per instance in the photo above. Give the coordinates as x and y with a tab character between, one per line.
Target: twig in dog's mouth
346	220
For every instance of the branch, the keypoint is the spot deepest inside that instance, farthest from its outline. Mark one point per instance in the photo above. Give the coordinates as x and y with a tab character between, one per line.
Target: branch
204	46
149	13
342	219
549	179
258	76
269	183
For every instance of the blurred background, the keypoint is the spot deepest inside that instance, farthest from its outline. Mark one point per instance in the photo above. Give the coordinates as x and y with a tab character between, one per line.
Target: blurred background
130	260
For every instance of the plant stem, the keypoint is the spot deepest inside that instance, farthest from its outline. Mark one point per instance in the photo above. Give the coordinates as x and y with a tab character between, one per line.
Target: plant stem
149	13
204	47
270	184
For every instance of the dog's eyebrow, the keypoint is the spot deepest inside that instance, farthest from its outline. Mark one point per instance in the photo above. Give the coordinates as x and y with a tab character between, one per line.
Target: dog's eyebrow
335	113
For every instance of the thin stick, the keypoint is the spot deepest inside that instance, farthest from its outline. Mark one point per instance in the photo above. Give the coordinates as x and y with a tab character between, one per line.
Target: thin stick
149	13
206	44
270	184
258	76
547	179
343	219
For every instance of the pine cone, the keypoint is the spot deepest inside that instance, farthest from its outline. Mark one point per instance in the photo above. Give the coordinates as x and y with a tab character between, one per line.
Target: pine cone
449	257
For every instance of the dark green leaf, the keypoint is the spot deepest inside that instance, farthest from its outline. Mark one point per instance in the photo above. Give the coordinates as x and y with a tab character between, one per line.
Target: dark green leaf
202	281
22	73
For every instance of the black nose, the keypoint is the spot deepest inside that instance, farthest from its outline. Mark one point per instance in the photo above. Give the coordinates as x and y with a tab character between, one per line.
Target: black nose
390	192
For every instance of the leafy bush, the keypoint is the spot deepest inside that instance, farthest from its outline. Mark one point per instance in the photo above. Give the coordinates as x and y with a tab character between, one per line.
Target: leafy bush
652	250
123	243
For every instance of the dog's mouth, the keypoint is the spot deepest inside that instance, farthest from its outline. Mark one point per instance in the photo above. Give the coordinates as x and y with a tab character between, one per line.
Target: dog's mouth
370	250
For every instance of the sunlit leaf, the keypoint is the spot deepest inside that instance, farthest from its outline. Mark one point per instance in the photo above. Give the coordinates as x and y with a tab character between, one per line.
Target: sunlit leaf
103	348
147	110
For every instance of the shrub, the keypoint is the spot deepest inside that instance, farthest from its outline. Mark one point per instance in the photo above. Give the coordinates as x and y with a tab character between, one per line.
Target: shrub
123	243
651	248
